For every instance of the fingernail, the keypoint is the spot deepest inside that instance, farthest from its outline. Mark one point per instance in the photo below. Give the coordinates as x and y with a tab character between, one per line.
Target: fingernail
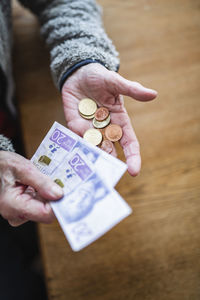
57	191
153	91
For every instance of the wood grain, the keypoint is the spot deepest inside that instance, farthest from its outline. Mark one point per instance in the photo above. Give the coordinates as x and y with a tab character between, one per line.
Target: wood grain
155	253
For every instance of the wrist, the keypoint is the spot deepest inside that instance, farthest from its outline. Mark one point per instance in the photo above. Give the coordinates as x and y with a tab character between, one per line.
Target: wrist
74	68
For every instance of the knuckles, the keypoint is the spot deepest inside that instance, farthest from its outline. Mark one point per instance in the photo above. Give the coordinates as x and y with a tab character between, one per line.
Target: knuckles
48	220
7	214
47	216
15	164
16	223
24	170
18	209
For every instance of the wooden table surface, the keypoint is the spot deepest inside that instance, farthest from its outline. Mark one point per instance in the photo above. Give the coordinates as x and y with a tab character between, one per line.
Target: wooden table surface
153	254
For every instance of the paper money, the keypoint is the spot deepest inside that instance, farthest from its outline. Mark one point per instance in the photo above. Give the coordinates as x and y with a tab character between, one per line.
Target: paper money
90	206
60	141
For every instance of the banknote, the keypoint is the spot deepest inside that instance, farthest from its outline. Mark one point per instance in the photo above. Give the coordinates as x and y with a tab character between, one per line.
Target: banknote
76	168
90	206
60	142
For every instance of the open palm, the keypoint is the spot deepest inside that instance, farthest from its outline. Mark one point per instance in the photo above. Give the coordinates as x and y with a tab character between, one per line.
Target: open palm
106	88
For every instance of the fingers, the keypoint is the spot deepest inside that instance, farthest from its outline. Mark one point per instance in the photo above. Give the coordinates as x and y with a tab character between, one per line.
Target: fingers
16	169
131	88
133	158
130	147
114	152
28	174
22	208
19	204
16	222
33	209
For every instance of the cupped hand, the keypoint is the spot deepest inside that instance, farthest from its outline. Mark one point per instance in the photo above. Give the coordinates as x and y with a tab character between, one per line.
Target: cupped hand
18	204
106	88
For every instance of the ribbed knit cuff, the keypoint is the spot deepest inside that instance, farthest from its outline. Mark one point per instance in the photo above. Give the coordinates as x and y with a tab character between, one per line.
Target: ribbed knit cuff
75	67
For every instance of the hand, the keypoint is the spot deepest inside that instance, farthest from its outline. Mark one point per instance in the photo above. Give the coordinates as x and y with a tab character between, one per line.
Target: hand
106	88
18	204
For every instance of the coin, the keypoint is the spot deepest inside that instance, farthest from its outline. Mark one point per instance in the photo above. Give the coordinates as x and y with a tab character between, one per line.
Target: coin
107	146
87	117
101	114
87	107
102	124
93	136
113	132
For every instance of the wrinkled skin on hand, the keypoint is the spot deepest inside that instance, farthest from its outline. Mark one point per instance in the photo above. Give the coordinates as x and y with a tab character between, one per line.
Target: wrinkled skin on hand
106	88
18	204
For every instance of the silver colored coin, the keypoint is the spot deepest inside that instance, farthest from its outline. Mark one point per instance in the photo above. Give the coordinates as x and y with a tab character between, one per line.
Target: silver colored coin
102	124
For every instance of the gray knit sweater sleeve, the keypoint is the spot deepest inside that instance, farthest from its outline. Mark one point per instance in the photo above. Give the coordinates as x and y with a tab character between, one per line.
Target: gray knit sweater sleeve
74	32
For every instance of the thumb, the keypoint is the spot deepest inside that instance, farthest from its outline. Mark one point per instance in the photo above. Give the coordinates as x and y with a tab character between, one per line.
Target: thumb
132	89
28	174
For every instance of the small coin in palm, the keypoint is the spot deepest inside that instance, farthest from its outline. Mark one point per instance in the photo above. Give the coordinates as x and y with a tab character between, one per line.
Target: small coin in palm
102	124
87	107
101	114
93	136
107	146
113	132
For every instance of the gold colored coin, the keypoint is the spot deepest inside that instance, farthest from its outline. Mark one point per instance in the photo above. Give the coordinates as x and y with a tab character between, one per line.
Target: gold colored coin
102	124
87	117
87	107
93	136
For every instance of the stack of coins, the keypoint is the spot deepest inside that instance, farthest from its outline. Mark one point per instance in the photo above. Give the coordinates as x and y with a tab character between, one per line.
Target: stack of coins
103	134
87	108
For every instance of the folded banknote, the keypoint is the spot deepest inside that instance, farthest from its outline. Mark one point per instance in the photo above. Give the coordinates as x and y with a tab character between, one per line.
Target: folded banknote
60	141
90	206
